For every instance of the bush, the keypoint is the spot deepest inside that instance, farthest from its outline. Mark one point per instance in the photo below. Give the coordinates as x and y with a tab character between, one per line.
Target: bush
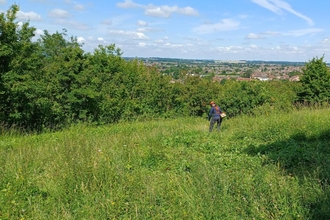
315	82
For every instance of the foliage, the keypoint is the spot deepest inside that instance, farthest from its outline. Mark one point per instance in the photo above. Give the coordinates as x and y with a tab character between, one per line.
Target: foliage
315	82
19	68
248	73
63	95
236	97
53	83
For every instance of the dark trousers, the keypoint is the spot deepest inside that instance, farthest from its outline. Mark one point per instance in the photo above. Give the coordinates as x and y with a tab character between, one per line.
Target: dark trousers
213	121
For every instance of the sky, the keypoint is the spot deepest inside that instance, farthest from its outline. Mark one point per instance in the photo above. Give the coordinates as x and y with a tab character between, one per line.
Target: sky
269	30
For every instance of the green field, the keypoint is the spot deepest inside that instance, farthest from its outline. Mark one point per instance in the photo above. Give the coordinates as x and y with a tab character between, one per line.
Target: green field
265	167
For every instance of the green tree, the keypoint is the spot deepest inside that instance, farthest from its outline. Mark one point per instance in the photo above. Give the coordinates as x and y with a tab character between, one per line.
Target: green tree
63	62
19	71
248	73
194	94
315	82
104	67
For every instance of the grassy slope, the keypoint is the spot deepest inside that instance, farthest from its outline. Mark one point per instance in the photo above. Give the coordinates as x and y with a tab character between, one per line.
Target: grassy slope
271	167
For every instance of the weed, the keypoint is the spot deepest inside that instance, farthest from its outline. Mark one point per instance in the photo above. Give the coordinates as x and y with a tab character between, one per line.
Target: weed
260	167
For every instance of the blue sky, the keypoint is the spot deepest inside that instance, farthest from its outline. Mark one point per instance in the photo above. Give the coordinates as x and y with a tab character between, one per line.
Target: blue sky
277	30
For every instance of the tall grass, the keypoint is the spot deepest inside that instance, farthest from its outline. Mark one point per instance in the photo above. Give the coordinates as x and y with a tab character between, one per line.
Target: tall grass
265	167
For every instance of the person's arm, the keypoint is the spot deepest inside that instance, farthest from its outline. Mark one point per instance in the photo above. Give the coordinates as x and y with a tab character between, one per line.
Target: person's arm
210	114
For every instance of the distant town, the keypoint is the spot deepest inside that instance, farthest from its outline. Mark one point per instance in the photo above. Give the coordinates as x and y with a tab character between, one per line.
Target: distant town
218	70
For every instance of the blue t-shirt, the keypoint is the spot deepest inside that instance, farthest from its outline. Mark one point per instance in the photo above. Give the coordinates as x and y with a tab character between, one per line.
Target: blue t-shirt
214	113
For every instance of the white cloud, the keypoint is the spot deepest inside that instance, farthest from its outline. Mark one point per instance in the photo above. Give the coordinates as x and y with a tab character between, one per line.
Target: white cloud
326	41
38	32
188	11
271	33
287	49
127	4
81	40
20	24
231	49
2	2
142	44
147	29
163	11
253	46
268	5
128	34
59	13
294	33
157	12
141	23
73	24
254	36
172	45
224	25
32	16
264	53
79	7
277	6
302	32
166	11
159	41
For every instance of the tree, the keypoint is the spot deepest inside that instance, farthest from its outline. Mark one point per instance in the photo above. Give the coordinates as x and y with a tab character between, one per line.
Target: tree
248	73
315	82
67	93
19	70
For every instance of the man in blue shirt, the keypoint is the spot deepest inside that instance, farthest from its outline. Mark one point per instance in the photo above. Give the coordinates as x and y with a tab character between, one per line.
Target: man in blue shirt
214	116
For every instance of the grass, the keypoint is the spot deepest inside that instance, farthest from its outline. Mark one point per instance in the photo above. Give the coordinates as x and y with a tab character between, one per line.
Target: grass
265	167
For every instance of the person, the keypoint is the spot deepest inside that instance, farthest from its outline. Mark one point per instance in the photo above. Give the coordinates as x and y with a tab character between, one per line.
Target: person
214	116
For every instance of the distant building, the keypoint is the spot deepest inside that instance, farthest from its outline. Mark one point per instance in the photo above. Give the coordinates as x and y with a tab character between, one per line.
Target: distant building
243	79
230	61
263	78
219	78
295	78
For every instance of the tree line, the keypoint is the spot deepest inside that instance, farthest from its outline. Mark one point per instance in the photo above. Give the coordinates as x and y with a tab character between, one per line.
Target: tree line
52	82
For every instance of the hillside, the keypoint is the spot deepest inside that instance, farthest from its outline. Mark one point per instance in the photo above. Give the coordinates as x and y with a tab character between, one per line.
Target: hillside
266	167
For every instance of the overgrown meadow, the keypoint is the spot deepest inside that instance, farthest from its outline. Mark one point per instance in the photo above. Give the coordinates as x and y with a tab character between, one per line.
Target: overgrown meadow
73	143
264	167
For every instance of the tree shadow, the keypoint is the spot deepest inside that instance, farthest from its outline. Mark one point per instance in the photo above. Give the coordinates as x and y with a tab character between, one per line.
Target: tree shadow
303	156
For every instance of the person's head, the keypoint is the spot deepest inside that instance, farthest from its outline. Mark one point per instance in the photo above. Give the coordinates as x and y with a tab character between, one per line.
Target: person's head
212	103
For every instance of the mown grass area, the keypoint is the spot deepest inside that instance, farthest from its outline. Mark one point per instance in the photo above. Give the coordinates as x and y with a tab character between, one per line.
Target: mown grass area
265	167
